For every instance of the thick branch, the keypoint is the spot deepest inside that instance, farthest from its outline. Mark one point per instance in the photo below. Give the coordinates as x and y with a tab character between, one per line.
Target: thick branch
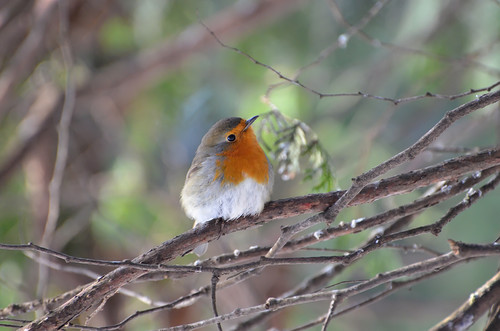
364	179
411	152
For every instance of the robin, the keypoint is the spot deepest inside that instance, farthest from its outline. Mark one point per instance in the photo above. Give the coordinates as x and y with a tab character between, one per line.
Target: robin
230	175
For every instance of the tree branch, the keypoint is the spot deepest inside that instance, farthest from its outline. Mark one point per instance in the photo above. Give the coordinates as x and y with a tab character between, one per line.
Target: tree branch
364	179
469	312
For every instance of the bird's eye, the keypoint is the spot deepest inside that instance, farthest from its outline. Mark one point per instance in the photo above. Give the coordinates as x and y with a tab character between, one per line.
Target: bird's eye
231	137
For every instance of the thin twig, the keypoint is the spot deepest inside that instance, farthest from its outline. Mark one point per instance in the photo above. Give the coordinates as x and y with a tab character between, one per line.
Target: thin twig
340	43
215	280
473	308
383	218
62	145
394	101
435	228
26	307
333	305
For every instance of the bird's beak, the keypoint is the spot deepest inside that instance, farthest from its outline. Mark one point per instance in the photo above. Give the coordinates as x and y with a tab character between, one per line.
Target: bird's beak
250	121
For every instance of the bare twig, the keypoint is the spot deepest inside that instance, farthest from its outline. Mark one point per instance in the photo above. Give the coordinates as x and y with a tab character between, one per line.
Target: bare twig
394	101
311	284
376	43
435	228
215	280
26	307
178	303
333	305
478	303
340	43
62	145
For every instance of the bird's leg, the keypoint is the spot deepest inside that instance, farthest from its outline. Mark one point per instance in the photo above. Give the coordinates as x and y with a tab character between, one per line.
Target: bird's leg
220	223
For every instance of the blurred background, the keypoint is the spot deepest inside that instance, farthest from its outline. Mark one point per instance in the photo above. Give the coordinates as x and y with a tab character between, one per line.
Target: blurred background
149	80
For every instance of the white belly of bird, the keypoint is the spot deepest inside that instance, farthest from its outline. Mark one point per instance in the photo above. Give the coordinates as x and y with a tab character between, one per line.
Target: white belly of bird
246	198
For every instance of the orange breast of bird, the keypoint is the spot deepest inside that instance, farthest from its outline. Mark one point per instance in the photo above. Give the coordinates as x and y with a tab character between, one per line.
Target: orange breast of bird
242	159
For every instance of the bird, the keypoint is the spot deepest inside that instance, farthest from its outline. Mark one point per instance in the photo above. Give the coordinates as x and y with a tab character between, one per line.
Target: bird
230	175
